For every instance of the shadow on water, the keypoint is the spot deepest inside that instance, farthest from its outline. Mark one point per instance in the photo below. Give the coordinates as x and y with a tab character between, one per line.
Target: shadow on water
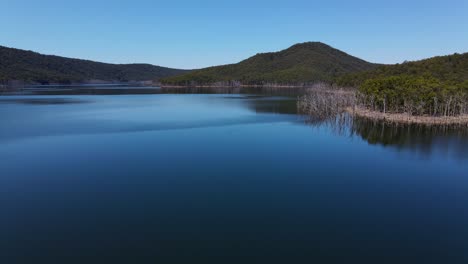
257	99
276	105
128	89
44	101
450	141
273	91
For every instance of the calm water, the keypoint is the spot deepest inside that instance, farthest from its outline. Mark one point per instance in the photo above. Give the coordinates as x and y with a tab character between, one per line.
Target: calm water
222	178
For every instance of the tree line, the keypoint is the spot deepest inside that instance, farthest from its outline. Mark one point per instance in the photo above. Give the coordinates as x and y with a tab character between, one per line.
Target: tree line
437	87
423	95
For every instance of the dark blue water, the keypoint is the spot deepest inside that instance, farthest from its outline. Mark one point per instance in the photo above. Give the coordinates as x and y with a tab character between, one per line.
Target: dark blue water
223	178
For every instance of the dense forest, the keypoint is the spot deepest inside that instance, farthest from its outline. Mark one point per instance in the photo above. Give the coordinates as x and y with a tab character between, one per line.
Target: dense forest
415	95
451	68
33	67
436	86
300	64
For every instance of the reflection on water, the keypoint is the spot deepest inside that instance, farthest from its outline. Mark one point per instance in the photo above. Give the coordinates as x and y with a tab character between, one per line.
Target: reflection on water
193	178
414	138
52	115
420	139
450	141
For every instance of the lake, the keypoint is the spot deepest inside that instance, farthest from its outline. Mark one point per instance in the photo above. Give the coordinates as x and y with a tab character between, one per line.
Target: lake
157	176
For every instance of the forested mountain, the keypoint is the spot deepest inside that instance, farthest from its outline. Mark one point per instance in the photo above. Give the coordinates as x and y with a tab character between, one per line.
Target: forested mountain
302	63
451	68
16	64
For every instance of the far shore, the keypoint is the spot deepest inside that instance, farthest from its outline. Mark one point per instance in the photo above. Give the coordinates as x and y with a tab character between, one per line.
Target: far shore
14	84
408	119
236	86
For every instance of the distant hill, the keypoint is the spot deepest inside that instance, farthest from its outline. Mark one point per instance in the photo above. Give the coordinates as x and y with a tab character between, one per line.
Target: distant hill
448	69
302	63
16	64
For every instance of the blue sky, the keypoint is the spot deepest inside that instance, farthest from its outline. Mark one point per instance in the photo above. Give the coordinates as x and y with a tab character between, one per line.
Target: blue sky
194	34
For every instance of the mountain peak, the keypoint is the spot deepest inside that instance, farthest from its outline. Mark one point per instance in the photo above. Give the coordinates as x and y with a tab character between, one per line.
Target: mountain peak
306	62
318	47
311	44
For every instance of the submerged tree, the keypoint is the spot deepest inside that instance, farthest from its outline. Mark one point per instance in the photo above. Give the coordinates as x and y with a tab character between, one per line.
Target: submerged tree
324	101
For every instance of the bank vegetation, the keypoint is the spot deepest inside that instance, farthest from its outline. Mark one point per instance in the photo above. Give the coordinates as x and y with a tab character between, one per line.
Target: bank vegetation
398	99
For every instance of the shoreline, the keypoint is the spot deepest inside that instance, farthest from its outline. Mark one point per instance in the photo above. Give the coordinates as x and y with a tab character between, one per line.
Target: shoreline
407	119
18	84
236	86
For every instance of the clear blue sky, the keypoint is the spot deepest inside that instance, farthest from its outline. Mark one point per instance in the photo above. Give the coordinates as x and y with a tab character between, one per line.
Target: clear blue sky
199	33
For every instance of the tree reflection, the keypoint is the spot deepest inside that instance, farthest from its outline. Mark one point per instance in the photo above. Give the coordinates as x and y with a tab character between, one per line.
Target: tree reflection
423	139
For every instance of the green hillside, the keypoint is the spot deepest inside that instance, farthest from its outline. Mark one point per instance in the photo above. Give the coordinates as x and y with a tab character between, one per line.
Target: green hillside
30	66
451	68
299	64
